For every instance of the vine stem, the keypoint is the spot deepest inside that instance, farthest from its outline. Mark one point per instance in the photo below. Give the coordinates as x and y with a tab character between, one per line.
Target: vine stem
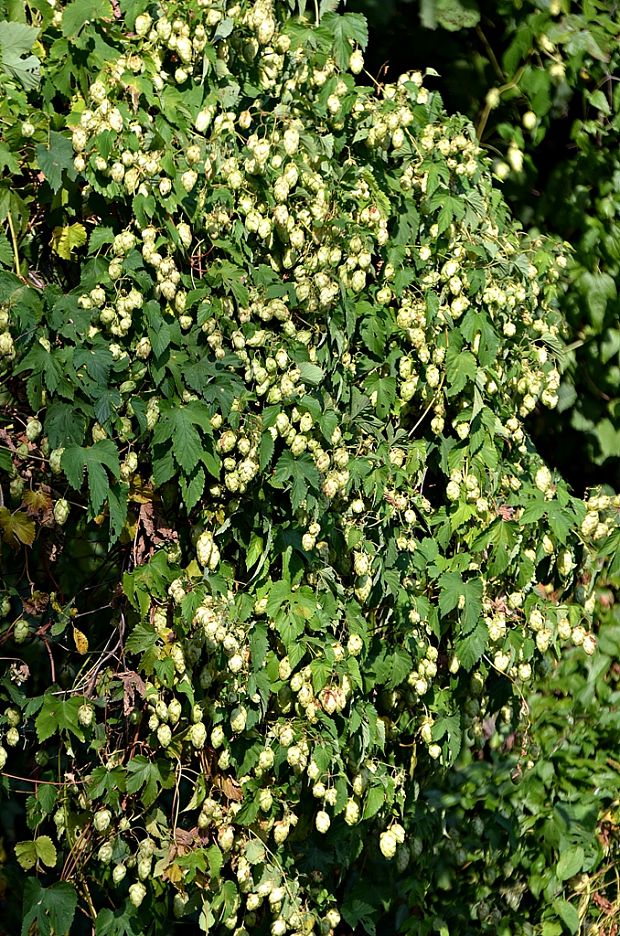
14	242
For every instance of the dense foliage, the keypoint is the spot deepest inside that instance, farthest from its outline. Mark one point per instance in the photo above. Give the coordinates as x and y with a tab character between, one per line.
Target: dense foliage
275	539
540	80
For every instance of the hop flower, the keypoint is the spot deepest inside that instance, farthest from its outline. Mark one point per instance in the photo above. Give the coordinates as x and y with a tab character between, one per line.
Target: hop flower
61	511
387	844
356	62
322	821
351	812
137	893
102	819
33	429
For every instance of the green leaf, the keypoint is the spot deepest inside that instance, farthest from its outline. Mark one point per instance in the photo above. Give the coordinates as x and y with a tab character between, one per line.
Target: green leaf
100	237
144	774
51	909
470	648
502	536
117	503
311	373
568	914
449	726
356	911
382	393
26	854
80	12
16	40
46	850
102	454
54	160
6	459
266	450
401	665
598	290
177	427
570	862
64	425
192	488
461	366
255	851
255	551
346	30
375	798
297	474
57	715
115	923
6	251
451	589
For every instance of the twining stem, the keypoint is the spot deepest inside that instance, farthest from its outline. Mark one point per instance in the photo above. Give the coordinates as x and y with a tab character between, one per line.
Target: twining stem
14	242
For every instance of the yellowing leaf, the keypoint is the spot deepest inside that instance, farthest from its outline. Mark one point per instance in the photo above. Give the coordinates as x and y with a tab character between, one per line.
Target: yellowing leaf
41	849
67	239
37	502
46	850
81	641
26	854
16	527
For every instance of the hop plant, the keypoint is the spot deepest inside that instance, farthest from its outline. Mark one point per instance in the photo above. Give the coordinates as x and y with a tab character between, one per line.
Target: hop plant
288	394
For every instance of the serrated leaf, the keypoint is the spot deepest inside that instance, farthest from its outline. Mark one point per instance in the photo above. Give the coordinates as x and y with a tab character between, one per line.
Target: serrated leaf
16	40
64	425
311	373
347	30
470	648
67	239
117	503
17	527
449	727
192	488
297	474
186	444
100	456
461	367
54	160
255	551
382	393
80	12
50	909
255	851
401	665
375	798
26	854
46	850
457	14
100	237
58	714
177	428
266	449
6	251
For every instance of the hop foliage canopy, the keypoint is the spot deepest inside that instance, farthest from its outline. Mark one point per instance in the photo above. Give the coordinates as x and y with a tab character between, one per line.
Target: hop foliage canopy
269	339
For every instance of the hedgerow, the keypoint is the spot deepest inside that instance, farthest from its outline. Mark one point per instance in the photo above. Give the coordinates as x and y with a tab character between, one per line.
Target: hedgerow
272	521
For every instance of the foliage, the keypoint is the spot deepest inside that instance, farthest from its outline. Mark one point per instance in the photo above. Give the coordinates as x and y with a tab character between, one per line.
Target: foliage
527	839
540	81
269	341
